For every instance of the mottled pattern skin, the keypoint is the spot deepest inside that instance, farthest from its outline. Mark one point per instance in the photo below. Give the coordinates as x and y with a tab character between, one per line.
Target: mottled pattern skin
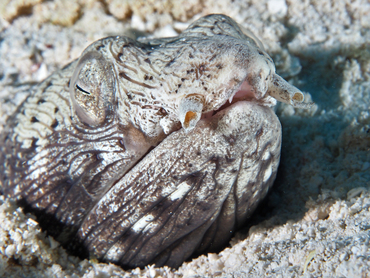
147	151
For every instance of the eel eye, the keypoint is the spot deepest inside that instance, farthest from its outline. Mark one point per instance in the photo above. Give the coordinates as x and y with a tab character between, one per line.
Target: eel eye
92	88
82	90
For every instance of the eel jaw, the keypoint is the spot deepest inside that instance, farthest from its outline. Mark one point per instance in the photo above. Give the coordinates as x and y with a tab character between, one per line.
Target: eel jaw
191	106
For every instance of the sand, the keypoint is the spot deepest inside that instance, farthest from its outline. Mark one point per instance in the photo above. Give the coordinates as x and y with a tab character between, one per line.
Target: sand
316	220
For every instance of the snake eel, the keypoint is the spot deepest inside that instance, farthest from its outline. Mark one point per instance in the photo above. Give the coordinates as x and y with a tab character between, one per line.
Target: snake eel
148	151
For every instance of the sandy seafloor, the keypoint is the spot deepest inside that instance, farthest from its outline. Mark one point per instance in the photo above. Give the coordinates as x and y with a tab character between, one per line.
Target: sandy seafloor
316	220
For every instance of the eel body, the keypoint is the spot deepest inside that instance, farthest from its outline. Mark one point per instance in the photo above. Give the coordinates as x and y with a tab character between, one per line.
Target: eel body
146	151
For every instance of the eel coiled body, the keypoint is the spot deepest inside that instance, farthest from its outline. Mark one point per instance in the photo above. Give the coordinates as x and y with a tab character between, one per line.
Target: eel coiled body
146	151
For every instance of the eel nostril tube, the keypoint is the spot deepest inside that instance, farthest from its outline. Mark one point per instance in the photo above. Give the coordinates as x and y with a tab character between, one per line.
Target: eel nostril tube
190	111
282	91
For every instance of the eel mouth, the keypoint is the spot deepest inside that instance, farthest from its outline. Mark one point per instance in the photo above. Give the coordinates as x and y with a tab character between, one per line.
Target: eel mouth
244	93
191	106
